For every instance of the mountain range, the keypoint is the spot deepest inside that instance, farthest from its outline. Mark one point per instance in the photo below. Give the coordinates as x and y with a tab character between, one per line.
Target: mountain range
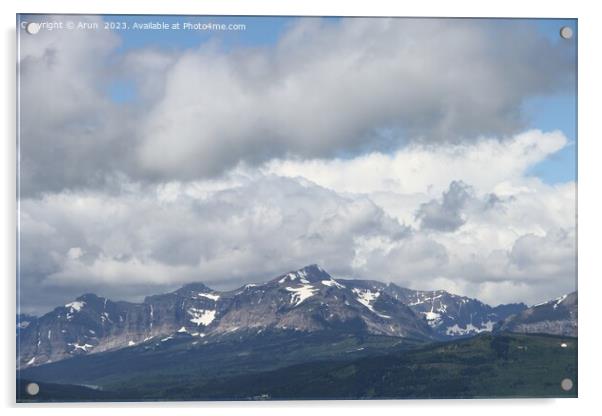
305	301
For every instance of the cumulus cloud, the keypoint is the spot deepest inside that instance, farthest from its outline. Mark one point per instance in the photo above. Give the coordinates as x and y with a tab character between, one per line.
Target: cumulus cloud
378	148
419	168
156	238
445	215
326	88
149	238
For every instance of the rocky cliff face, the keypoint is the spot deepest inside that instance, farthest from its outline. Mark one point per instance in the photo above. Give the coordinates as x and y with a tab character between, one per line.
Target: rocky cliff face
556	317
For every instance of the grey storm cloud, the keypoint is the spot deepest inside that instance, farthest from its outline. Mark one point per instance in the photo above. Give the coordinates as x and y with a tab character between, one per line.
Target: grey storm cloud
326	88
446	214
149	239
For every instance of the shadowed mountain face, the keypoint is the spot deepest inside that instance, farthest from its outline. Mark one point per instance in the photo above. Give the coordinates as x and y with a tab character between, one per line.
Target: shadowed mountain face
556	317
308	300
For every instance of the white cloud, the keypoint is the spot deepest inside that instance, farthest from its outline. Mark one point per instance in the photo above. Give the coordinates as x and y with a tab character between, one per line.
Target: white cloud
252	231
346	86
74	253
243	229
419	168
326	88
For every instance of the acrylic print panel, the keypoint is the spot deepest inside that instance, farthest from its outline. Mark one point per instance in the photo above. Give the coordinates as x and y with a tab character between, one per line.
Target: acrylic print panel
250	208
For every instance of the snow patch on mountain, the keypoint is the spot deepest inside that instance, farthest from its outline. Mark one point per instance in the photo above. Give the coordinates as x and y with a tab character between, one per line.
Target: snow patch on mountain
209	296
201	316
75	306
105	317
289	277
301	293
555	302
433	318
302	276
331	283
424	297
292	276
366	297
77	346
469	329
559	300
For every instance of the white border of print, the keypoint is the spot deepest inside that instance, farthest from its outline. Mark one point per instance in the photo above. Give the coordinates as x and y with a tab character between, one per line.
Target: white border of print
589	195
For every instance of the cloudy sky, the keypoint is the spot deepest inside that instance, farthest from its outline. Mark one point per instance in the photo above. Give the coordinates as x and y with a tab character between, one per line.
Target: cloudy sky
436	154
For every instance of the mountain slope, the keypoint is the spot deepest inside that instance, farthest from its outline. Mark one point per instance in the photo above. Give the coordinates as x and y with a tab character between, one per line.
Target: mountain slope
557	317
482	366
502	365
184	357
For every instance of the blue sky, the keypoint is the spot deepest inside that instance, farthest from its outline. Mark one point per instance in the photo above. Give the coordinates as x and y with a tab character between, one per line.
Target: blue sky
556	112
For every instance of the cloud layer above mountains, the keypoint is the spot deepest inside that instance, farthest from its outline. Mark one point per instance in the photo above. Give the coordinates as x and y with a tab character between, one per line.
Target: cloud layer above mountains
378	148
325	89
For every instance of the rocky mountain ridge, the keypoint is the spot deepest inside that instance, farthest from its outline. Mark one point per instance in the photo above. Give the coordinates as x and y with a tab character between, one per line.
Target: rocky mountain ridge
555	317
306	300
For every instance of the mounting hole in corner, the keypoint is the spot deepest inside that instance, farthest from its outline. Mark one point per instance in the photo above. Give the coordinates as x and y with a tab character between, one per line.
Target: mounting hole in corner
566	384
32	389
566	32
